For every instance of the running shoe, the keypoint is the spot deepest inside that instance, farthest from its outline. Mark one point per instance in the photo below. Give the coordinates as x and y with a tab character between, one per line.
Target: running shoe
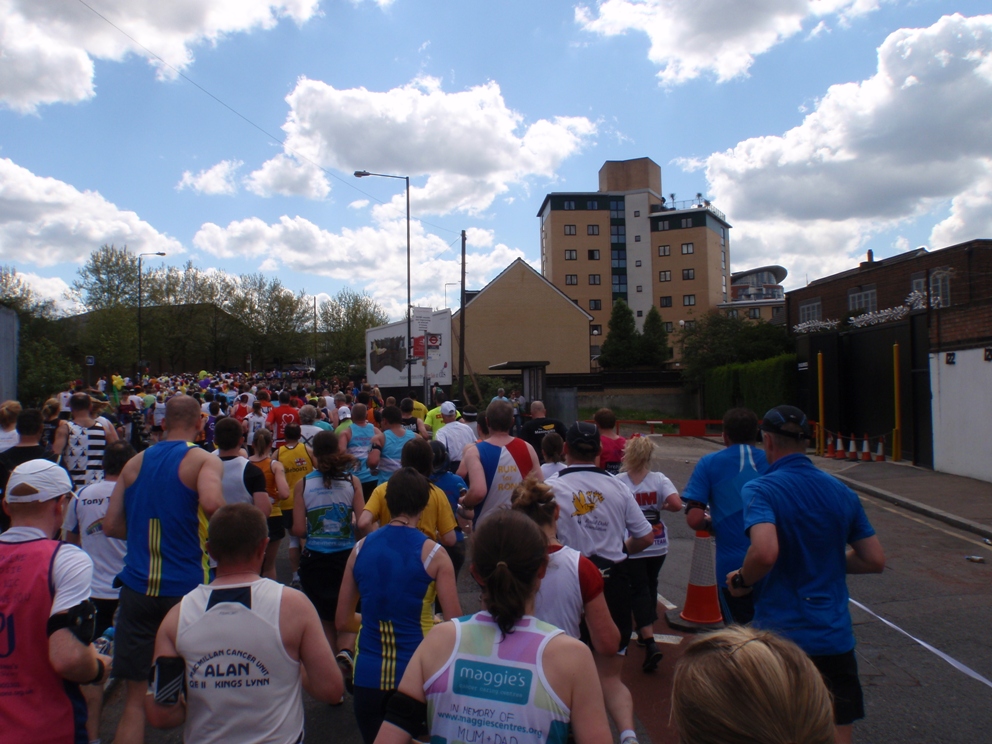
346	662
652	656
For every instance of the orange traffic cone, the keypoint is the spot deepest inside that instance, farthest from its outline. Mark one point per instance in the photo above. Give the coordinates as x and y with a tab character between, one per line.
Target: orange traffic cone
865	451
880	453
852	452
831	451
702	603
841	453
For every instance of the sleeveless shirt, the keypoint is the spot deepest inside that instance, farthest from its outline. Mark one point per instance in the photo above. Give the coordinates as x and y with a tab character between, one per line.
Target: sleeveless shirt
559	597
296	460
329	510
389	460
83	454
241	683
358	447
233	482
166	529
36	704
505	467
265	465
493	686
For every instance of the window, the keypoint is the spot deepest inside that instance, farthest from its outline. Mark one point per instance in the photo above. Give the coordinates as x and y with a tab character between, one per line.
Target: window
570	229
637	238
569	205
637	213
571	255
665	302
688	300
664	250
594	255
620	283
640	288
596	330
687	222
688	274
592	205
618	258
637	263
595	304
919	284
731	313
810	310
640	313
594	350
723	260
776	311
940	288
571	279
687	249
754	313
662	224
618	234
863	299
616	210
594	279
664	276
592	229
689	324
669	327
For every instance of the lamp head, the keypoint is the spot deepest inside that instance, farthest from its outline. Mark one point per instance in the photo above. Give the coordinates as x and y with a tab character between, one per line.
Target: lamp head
362	174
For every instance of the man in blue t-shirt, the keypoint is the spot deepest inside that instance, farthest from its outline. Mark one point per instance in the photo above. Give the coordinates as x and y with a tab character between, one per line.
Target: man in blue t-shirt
716	483
801	522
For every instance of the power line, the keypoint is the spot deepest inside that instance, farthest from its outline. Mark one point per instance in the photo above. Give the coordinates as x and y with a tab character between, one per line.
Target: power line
280	140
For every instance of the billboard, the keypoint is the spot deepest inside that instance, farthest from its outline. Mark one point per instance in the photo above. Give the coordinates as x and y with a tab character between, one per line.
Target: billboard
386	350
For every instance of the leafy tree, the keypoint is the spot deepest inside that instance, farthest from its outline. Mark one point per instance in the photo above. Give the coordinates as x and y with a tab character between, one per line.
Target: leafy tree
342	322
717	339
42	371
622	346
109	278
654	340
16	294
277	321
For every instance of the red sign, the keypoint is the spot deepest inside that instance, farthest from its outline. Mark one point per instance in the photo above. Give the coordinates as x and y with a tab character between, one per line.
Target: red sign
418	347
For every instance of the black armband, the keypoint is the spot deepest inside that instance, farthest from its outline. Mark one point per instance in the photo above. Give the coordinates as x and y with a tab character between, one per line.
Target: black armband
407	713
689	504
81	620
376	447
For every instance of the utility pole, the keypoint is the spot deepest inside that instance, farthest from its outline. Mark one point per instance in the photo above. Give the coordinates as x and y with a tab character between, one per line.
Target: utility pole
461	334
315	337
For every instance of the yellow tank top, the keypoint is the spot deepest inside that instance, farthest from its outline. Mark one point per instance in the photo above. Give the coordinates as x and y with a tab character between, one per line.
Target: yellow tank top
297	462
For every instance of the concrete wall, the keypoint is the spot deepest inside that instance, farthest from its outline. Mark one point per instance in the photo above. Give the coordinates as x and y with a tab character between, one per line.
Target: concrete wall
962	413
8	354
670	402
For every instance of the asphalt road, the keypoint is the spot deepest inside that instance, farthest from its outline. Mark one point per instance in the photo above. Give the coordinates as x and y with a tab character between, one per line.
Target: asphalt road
928	589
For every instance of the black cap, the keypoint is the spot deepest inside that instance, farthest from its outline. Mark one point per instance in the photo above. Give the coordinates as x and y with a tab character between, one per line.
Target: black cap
779	416
582	433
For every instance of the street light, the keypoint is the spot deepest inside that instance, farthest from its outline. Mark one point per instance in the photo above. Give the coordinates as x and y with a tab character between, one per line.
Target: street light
409	301
156	253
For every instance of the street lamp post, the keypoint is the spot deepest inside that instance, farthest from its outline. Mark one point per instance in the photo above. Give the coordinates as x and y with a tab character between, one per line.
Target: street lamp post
157	253
409	301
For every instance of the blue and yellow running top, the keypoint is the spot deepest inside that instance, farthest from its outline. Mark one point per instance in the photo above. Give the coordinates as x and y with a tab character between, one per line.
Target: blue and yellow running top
397	604
166	529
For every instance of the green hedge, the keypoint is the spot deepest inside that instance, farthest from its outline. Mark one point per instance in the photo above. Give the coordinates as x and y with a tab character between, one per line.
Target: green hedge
756	385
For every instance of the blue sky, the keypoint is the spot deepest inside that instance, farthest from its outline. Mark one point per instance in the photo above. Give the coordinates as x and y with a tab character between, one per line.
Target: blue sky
821	128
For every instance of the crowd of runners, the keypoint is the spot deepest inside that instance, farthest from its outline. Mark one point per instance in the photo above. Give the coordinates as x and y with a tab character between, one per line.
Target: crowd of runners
142	521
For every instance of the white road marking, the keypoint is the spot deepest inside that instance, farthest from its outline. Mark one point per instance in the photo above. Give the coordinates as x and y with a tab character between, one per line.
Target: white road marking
665	603
672	640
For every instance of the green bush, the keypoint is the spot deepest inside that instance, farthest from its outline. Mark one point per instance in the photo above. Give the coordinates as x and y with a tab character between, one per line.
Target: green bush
720	391
768	383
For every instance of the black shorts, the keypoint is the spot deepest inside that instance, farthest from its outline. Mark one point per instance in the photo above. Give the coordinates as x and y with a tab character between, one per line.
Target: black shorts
643	573
277	530
367	488
320	577
287	519
134	639
616	592
840	673
105	609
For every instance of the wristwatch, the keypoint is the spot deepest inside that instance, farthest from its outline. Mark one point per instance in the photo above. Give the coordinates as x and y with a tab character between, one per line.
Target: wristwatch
737	581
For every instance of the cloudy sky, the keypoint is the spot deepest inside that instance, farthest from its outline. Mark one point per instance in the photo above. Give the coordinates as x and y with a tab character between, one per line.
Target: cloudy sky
226	131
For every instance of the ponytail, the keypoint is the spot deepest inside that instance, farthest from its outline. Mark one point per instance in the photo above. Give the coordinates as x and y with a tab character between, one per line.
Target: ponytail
508	553
332	463
536	500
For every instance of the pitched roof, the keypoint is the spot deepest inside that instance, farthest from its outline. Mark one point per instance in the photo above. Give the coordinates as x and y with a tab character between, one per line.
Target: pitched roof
535	273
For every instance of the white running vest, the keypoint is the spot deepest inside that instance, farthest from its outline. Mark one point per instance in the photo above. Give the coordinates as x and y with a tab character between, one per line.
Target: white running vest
233	482
241	684
493	688
559	598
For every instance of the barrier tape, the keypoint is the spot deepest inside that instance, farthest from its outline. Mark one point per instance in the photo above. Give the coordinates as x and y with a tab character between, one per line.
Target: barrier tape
949	659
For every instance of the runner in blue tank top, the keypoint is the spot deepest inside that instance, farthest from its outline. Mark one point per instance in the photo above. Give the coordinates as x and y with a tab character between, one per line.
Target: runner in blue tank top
357	439
387	445
394	571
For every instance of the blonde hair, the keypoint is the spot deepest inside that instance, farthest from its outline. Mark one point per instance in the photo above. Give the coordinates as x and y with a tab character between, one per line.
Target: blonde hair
9	412
535	499
746	686
637	454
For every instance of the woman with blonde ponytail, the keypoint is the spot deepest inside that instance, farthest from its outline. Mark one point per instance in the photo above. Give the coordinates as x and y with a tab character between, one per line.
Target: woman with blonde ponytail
503	658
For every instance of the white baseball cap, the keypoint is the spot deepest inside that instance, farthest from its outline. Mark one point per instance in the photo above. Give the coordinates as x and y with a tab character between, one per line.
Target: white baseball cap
344	413
448	408
43	478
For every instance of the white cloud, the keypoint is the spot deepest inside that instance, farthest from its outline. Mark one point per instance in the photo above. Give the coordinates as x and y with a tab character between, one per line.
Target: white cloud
49	46
690	38
45	221
218	179
372	257
470	144
359	204
477	237
269	264
288	176
870	156
52	288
